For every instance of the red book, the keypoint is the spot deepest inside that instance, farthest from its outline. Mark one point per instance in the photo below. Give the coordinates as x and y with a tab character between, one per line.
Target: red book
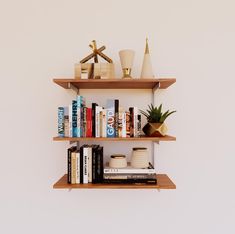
89	122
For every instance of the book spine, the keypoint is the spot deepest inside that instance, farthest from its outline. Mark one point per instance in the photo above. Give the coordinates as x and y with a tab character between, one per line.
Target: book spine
116	110
93	107
100	165
128	171
79	105
81	164
66	121
94	164
104	123
70	121
135	121
74	117
77	167
97	120
84	121
90	164
130	181
73	168
61	122
123	124
69	166
128	123
110	118
131	109
130	176
85	165
139	126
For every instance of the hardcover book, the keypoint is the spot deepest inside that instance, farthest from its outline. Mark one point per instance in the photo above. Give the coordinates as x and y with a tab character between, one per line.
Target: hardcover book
93	107
110	118
61	130
74	117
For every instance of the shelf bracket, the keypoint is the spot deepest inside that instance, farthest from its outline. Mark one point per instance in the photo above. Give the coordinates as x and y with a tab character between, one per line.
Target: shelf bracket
73	87
157	86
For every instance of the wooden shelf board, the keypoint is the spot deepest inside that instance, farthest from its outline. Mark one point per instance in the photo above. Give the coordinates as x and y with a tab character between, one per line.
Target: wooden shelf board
142	138
164	182
115	83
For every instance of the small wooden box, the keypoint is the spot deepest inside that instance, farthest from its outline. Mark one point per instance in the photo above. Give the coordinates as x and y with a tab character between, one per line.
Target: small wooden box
94	71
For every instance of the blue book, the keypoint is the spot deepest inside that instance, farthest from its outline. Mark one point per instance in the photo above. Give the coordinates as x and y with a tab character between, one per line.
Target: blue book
61	121
74	118
110	118
80	103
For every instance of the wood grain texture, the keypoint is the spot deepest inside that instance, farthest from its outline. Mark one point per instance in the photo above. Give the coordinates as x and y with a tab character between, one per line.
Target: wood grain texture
115	83
164	182
142	138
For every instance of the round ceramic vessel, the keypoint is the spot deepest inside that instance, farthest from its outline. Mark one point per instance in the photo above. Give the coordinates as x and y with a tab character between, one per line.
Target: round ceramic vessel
118	161
139	158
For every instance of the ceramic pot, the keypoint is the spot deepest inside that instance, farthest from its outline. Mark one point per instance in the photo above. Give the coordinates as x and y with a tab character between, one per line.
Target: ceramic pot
155	129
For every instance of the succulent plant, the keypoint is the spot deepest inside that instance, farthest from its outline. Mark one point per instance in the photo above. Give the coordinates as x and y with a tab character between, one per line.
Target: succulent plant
155	114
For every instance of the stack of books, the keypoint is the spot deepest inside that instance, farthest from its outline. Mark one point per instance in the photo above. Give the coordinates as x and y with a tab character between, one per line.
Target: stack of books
78	120
85	165
129	175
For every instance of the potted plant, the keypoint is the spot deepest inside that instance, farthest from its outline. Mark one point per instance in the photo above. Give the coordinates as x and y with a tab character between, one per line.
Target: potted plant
155	117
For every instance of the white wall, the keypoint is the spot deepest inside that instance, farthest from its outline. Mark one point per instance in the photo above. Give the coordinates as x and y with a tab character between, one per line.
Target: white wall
191	40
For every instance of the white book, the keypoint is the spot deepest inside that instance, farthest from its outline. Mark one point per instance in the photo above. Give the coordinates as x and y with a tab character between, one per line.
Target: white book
70	121
77	167
98	109
90	164
85	165
123	124
104	123
135	122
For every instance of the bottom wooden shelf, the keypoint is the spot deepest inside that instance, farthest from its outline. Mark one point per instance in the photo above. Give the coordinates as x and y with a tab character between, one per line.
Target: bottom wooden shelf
164	182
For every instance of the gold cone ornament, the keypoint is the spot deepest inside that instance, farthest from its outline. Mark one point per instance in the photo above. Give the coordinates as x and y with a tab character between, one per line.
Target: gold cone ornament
147	71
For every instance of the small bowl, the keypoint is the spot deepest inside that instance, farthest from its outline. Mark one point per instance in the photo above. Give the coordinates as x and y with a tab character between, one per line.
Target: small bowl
117	161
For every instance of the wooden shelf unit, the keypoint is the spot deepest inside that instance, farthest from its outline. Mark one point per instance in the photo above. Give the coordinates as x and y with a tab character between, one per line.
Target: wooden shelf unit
164	182
161	83
142	138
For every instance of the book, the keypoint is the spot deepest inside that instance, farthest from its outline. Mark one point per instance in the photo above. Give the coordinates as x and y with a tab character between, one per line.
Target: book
129	169
100	166
110	118
121	123
88	122
103	123
94	163
89	160
79	107
77	166
69	151
135	121
130	181
66	121
93	107
61	132
70	121
82	163
128	123
74	118
116	116
85	164
98	109
130	176
73	167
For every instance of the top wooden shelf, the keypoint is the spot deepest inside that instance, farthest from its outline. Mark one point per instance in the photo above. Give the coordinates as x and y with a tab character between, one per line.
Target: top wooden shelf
161	83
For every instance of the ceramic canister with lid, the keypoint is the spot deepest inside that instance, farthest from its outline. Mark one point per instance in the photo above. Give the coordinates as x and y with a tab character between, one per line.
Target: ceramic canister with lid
140	157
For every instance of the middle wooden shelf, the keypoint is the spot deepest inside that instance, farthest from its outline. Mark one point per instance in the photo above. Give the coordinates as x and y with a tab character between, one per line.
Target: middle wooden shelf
142	138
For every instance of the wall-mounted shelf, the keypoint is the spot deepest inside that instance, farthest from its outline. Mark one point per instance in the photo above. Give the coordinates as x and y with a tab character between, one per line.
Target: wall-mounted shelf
142	138
164	182
161	83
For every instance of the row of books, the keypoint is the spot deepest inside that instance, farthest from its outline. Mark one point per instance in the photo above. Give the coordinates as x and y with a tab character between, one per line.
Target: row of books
130	175
78	120
85	165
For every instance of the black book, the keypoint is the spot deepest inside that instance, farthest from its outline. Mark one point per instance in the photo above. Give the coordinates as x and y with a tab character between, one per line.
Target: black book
116	111
69	151
131	109
93	106
94	163
130	181
100	166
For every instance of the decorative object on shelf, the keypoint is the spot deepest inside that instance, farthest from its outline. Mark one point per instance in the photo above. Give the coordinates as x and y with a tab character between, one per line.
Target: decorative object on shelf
127	57
147	70
118	161
139	157
155	117
95	70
